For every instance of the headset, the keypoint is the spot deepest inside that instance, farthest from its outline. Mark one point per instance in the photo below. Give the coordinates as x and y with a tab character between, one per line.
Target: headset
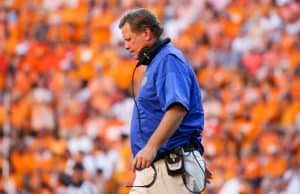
146	55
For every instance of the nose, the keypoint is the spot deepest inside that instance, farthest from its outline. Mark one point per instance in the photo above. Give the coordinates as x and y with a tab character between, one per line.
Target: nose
126	46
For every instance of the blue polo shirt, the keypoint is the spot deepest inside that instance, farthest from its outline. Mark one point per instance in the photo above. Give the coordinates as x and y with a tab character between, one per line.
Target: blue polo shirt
169	79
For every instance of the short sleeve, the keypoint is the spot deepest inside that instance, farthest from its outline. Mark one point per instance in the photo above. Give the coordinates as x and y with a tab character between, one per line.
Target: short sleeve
173	83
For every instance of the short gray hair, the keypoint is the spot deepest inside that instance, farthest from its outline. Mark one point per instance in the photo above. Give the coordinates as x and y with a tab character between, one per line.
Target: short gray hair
141	18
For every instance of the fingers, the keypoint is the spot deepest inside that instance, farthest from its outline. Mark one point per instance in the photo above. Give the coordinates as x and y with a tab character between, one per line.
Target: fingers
140	163
144	158
208	175
134	165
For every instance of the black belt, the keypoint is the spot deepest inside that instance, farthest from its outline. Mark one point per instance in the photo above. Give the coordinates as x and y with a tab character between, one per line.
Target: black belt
188	148
185	147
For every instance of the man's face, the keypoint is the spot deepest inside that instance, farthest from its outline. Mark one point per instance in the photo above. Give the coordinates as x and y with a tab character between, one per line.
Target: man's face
134	42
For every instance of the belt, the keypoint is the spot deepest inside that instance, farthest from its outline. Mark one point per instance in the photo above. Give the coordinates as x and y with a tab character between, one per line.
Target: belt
185	147
188	148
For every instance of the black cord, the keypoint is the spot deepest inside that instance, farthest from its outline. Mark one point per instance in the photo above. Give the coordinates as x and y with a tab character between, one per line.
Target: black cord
135	103
151	183
141	131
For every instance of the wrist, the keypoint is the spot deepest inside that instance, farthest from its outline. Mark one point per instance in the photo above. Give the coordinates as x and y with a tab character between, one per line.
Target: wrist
152	146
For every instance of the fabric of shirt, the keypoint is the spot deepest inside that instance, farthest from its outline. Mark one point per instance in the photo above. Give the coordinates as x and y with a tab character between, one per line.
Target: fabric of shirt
169	79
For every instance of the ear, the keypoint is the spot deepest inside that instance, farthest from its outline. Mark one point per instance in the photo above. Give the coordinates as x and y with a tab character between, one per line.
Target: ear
147	34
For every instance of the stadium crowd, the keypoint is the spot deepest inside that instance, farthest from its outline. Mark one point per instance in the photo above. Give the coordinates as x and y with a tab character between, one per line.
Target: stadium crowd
66	103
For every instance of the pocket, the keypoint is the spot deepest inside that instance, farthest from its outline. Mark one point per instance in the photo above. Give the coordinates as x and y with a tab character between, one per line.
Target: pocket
145	176
194	176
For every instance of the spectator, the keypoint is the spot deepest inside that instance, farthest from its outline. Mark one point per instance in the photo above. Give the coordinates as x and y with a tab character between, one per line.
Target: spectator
79	185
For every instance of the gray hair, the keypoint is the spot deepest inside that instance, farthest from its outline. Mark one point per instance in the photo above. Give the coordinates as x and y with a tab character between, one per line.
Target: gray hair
141	18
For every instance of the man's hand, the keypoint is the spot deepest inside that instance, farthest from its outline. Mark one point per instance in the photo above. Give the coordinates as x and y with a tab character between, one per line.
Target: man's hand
144	158
208	175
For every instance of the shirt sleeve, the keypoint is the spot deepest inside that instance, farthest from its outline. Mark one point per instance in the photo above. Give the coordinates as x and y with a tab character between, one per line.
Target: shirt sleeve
174	83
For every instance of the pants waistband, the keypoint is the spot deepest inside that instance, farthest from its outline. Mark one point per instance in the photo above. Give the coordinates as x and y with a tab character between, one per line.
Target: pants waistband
185	147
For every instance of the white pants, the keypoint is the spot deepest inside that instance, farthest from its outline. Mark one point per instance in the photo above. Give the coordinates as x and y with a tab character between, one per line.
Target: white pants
166	184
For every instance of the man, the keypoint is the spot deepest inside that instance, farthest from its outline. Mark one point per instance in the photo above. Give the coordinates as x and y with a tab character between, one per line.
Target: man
168	117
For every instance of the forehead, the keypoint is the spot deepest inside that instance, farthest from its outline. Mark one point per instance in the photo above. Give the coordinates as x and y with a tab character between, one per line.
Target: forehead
126	31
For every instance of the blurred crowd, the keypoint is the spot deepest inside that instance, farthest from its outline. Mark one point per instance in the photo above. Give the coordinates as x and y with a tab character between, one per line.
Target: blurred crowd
66	103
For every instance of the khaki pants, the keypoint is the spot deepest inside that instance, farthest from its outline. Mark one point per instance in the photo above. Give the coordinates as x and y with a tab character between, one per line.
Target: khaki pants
166	184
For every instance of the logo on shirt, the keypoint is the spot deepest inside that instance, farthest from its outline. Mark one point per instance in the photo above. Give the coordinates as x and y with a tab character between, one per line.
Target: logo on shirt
144	81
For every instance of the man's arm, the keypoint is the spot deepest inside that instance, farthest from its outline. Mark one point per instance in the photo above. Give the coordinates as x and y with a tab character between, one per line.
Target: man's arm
167	127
